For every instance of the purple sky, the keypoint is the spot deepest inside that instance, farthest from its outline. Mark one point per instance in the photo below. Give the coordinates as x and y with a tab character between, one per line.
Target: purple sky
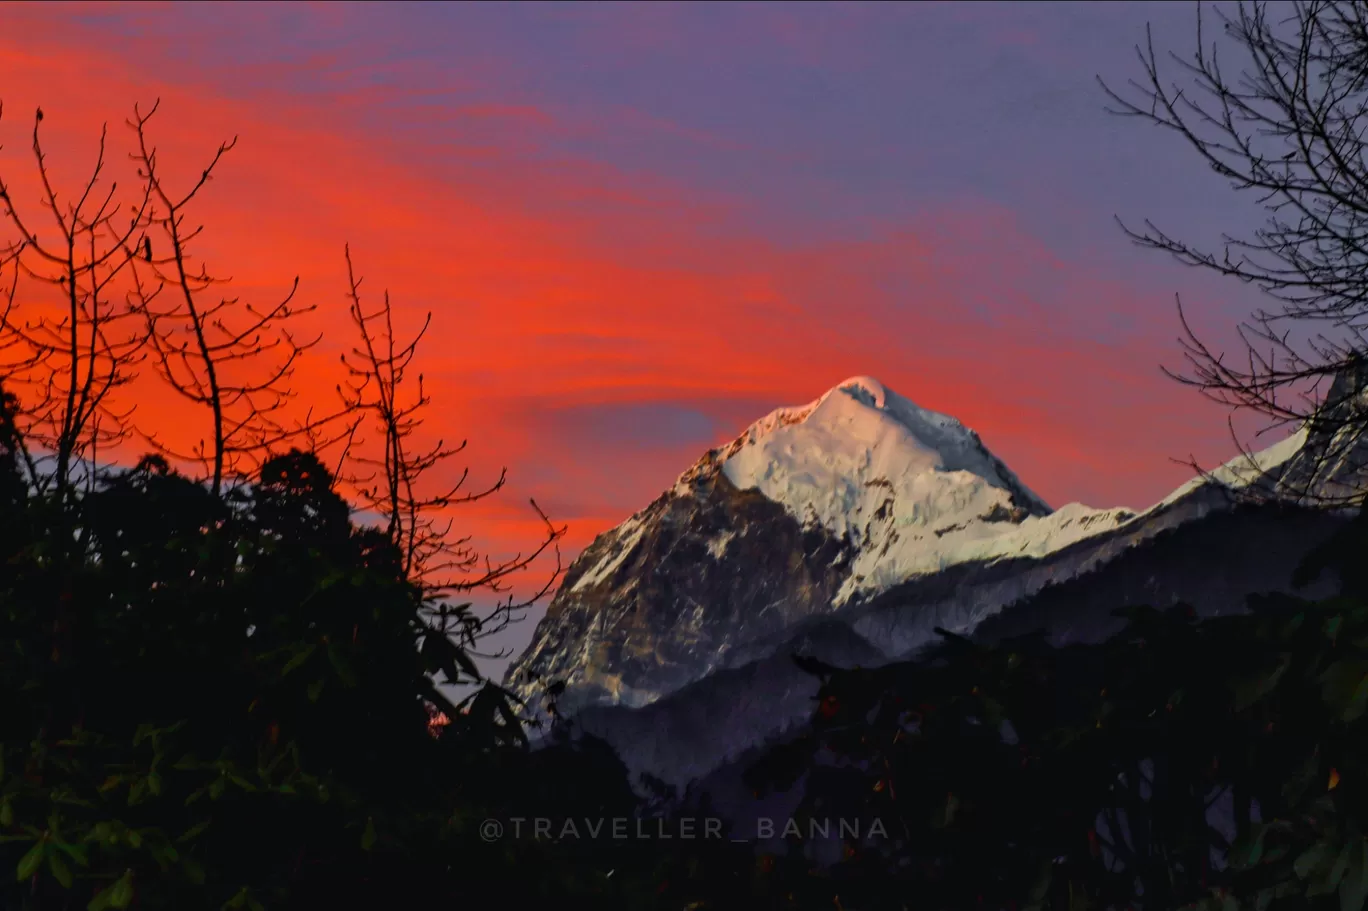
667	219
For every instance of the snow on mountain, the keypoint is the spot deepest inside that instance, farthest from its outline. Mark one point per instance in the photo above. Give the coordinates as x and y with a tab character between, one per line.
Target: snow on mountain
628	535
917	491
823	459
841	506
1244	471
912	489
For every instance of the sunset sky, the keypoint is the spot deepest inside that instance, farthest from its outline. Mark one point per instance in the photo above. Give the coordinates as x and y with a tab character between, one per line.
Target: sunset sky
641	226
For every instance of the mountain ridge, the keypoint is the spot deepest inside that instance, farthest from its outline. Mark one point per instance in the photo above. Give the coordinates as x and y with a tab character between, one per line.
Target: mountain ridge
858	509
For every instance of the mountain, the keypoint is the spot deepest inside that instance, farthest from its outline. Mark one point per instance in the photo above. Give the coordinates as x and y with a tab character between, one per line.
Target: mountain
850	528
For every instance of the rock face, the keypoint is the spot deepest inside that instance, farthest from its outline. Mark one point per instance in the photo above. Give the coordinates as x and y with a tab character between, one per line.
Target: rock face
660	601
850	528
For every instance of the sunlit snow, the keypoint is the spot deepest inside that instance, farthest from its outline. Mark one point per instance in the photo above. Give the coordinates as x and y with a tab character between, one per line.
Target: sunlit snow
914	490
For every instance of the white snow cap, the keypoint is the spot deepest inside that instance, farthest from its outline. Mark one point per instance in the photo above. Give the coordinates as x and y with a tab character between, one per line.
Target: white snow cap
861	444
914	490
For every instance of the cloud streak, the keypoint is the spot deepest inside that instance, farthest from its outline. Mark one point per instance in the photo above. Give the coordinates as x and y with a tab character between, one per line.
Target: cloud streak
599	321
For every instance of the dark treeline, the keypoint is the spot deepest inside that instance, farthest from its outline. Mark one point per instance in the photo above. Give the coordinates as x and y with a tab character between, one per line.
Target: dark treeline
1217	764
226	701
218	688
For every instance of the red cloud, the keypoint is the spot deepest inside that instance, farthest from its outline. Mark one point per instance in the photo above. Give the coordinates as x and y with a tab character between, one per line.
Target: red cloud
571	285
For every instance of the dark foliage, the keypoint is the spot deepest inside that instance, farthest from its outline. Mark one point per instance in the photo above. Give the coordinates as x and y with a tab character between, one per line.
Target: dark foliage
226	701
1183	762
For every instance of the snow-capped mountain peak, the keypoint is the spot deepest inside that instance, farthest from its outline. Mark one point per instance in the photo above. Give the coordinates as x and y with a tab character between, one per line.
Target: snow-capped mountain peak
911	489
830	460
860	507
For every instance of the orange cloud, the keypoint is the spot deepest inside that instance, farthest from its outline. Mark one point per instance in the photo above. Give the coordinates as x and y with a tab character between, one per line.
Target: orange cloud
564	285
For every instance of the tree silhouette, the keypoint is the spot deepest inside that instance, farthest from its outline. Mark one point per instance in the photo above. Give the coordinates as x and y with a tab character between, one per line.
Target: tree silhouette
222	354
1283	124
418	519
67	357
220	695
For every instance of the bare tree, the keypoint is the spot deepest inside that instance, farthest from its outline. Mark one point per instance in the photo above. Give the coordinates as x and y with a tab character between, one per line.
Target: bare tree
1285	125
227	356
397	487
67	363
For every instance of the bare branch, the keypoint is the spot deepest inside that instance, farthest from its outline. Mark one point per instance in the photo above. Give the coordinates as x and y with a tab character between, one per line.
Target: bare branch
228	357
418	522
1288	129
67	360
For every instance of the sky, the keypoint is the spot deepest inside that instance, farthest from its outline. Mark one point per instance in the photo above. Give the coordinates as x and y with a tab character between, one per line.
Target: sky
639	227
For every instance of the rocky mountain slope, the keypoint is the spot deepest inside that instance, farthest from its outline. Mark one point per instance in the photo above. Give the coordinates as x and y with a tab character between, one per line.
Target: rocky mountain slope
1216	561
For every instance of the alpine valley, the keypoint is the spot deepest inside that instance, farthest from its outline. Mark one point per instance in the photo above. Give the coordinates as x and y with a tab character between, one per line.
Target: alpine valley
848	530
